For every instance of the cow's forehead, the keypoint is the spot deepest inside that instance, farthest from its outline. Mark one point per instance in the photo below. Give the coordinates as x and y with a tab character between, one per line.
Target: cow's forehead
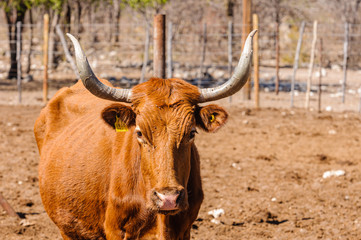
162	93
177	117
166	124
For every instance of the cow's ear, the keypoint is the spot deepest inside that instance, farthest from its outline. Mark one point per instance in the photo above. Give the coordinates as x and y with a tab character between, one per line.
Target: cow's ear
210	118
118	114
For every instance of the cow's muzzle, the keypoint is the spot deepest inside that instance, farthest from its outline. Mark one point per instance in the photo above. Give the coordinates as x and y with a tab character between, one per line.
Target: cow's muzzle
169	200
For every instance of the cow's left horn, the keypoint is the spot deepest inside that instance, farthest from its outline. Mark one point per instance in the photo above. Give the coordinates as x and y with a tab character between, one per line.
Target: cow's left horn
239	78
91	82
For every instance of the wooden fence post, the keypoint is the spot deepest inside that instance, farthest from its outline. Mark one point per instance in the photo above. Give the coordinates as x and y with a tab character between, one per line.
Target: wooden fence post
246	29
295	65
146	53
18	57
66	51
256	61
169	51
345	56
230	52
310	67
204	46
320	76
159	46
45	60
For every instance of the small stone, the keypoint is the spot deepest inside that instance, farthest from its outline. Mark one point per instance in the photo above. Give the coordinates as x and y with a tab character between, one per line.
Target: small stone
332	132
333	173
215	221
216	213
235	165
26	223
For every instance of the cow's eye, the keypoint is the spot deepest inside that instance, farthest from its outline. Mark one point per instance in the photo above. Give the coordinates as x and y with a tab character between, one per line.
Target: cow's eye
192	134
139	134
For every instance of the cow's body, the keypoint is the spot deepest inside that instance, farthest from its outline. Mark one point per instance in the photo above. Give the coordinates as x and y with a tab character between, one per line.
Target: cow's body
90	178
142	183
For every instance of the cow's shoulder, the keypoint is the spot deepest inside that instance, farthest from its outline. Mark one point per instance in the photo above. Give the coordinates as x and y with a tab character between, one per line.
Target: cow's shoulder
69	105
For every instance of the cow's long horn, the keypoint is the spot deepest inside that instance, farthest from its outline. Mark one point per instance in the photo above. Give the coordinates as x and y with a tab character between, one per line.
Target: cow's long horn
91	82
239	78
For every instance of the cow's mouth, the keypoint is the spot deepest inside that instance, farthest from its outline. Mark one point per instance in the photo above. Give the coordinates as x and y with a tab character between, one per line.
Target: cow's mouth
168	212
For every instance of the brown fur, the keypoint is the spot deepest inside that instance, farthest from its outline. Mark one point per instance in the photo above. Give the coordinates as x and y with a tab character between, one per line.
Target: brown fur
97	183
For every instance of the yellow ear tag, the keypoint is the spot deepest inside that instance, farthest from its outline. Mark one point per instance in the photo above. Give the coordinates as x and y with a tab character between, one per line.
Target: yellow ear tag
119	125
212	118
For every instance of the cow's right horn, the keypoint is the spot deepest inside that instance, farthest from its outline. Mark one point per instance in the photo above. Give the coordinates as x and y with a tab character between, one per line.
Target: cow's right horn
238	79
91	82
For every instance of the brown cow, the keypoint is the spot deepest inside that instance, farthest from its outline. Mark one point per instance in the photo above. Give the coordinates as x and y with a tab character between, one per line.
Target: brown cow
111	170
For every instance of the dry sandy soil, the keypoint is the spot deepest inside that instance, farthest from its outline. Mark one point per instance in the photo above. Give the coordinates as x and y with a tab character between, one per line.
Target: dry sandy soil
264	169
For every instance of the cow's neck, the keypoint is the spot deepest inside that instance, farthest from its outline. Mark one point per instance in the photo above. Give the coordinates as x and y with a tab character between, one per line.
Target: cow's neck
163	227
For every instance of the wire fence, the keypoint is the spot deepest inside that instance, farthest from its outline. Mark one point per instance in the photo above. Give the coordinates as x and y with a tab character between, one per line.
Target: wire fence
129	48
116	53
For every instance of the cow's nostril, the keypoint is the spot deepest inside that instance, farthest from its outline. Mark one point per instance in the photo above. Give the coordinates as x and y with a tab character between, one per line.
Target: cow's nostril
180	196
167	197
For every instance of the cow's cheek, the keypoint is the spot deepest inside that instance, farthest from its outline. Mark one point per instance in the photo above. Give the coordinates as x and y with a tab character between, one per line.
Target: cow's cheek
148	167
182	163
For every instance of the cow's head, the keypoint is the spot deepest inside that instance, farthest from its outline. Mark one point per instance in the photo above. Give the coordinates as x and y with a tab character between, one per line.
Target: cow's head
164	115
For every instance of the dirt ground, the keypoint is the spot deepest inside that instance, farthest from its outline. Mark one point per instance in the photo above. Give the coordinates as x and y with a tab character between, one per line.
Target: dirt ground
264	169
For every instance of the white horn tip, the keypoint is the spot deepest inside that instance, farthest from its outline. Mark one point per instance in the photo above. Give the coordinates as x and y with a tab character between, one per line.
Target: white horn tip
69	35
253	33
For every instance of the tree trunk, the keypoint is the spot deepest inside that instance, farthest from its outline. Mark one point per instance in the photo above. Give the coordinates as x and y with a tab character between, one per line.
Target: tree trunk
31	33
354	60
230	9
110	21
91	20
12	30
67	18
116	19
52	46
76	18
